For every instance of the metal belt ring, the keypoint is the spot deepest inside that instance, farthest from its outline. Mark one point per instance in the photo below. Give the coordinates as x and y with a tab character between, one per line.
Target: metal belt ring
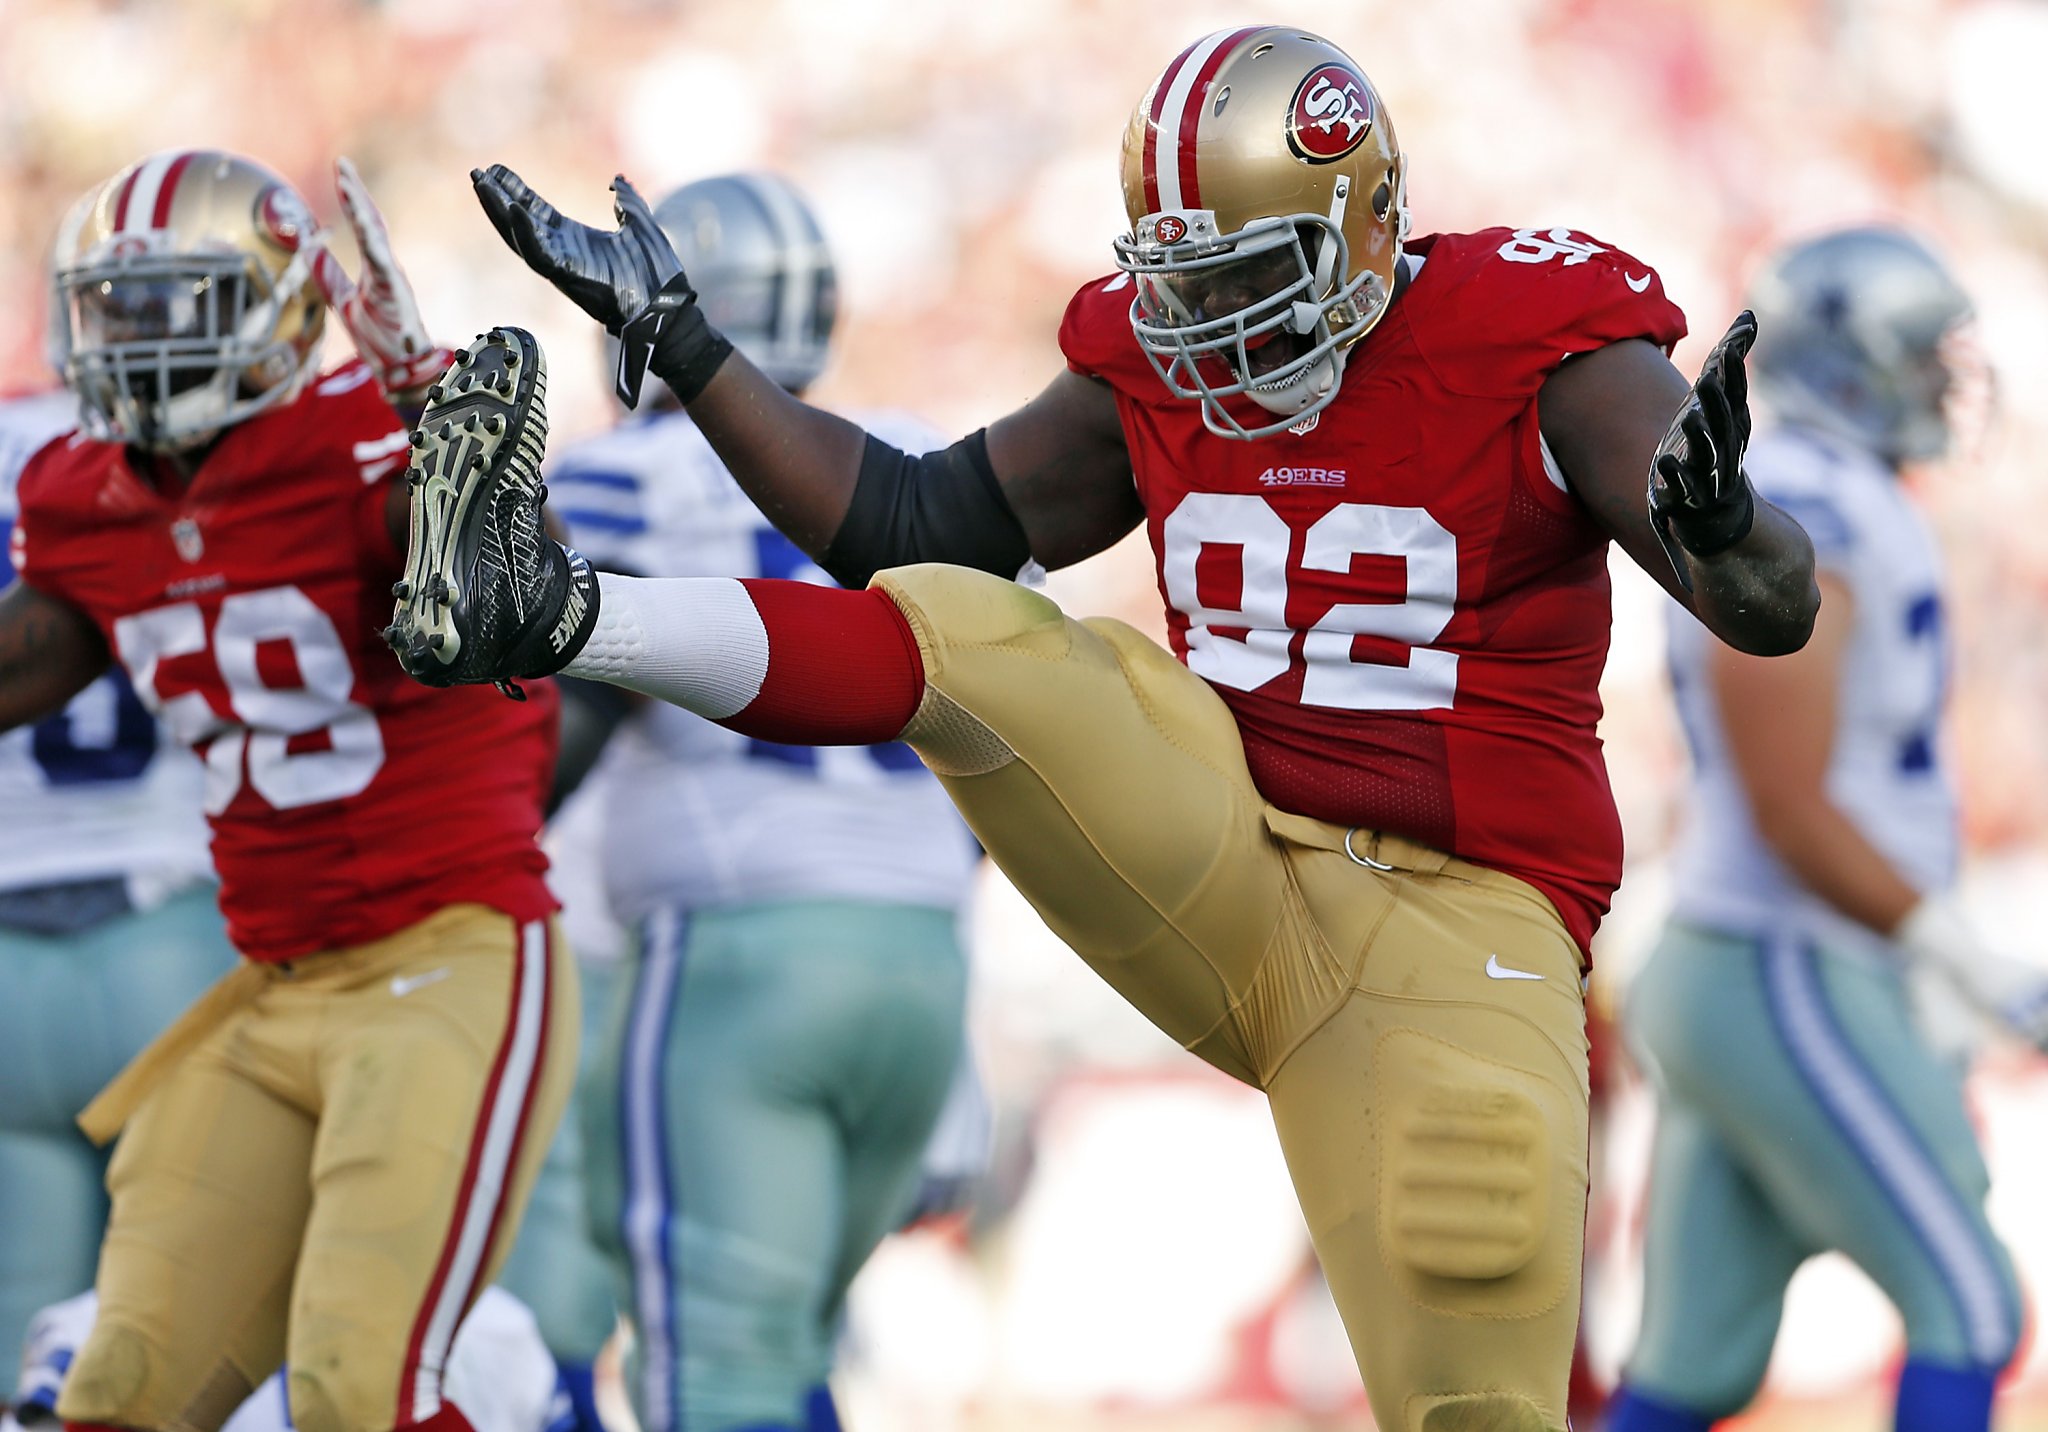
1366	860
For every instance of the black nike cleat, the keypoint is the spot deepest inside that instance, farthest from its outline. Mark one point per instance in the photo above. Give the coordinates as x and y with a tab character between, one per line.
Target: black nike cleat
487	595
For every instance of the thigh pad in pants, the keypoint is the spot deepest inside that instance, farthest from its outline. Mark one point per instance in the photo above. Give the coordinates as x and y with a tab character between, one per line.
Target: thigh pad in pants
1109	783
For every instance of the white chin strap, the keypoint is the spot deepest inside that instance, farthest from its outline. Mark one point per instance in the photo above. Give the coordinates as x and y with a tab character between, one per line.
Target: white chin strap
1306	387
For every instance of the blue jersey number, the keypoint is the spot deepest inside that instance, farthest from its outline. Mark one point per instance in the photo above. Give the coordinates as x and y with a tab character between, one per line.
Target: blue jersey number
105	734
1924	632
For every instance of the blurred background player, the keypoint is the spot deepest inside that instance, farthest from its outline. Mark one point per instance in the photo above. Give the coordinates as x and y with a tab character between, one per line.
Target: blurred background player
1800	1107
108	928
796	1005
337	1132
498	1370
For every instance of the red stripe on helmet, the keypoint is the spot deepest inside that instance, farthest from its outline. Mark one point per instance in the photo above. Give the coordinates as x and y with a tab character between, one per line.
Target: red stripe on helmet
1152	126
166	190
121	201
1191	115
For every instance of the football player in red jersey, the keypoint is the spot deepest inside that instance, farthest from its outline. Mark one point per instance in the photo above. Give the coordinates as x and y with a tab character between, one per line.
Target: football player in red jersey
1352	845
327	1154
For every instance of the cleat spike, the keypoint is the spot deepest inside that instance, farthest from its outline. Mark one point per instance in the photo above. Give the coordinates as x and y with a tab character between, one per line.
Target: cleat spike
471	423
436	641
494	425
446	433
417	438
401	589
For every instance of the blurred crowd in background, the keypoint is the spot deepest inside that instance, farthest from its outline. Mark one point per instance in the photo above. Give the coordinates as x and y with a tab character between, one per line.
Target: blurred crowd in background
1138	1247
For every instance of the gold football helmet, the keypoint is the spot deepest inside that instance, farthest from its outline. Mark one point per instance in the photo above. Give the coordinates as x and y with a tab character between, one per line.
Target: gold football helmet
1265	190
184	298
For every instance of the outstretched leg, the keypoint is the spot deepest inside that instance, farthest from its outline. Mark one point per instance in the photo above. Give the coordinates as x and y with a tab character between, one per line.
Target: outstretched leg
1110	783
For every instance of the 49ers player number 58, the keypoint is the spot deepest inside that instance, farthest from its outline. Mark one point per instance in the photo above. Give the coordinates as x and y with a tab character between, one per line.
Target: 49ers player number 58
1349	839
341	1134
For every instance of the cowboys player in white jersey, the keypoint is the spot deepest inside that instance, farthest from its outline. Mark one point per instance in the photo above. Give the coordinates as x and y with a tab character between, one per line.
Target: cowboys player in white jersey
796	1011
108	928
1800	1107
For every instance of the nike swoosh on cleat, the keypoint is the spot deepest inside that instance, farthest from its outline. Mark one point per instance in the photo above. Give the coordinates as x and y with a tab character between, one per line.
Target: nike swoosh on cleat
1498	971
404	985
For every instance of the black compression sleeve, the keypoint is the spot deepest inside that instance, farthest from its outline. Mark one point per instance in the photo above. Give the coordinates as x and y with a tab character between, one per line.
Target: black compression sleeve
943	506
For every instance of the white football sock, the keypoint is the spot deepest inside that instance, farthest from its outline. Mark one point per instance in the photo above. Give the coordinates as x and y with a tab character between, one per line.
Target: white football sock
693	641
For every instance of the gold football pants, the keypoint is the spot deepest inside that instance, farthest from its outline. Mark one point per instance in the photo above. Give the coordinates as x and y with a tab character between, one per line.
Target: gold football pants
1416	1021
330	1174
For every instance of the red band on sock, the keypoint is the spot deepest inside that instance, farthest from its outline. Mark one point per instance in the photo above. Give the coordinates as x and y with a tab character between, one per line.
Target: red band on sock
446	1418
94	1427
843	668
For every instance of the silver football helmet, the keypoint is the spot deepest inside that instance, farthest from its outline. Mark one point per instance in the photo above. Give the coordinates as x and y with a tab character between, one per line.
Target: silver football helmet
757	258
1853	338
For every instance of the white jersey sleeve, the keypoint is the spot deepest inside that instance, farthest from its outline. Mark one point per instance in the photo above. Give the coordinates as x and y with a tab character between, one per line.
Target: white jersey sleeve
1887	772
702	817
94	791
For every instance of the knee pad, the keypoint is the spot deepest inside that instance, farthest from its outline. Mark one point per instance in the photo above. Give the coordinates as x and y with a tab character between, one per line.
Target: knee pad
1484	1412
109	1379
951	609
1468	1208
957	605
115	1381
318	1401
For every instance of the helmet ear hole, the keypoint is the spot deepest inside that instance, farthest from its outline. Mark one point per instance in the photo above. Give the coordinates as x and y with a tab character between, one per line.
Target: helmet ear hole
1382	201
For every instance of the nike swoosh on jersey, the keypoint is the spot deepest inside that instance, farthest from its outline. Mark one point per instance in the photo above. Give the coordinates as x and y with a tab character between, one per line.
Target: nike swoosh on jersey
1636	282
1498	971
404	985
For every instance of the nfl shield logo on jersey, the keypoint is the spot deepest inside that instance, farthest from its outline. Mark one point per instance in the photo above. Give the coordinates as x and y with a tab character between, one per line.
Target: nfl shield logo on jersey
185	537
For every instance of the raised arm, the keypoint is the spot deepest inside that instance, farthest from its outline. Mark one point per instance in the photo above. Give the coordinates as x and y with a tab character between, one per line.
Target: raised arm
1051	481
49	652
1622	416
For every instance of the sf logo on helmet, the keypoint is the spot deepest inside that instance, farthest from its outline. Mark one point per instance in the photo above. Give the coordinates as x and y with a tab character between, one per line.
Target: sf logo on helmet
1331	116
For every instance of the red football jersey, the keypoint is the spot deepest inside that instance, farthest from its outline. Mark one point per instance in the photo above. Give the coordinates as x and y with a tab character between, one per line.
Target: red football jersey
347	801
1399	599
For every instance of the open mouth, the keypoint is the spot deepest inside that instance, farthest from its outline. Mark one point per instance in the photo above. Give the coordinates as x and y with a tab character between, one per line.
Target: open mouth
1270	352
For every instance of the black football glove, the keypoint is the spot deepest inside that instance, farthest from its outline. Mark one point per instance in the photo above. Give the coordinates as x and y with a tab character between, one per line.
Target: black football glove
1700	498
629	279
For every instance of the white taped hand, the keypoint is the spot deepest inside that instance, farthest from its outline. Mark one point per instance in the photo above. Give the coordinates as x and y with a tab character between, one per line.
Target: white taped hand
1944	946
378	310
